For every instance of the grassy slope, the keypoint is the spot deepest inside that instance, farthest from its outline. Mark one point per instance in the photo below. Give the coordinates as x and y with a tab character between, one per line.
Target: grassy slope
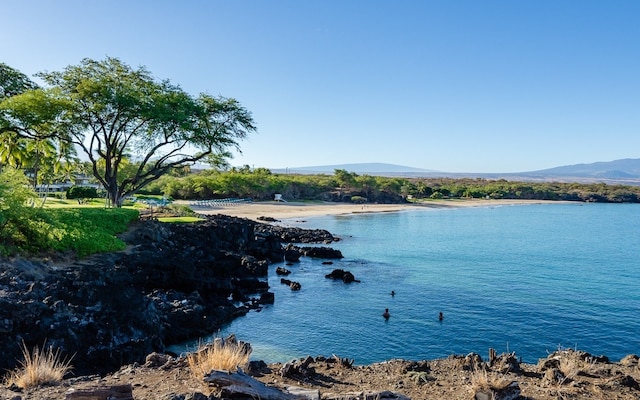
65	225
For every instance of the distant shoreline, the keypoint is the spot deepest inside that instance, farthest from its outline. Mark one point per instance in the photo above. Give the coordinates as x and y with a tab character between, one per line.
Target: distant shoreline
291	210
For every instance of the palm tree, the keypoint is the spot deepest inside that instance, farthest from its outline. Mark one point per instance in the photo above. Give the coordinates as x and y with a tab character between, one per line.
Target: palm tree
13	150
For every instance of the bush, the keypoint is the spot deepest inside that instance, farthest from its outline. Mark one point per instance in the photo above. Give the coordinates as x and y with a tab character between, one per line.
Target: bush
225	355
358	199
180	210
40	367
82	192
15	211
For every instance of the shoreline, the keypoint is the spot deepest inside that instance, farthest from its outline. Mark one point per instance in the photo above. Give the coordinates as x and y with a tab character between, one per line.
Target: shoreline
563	373
293	210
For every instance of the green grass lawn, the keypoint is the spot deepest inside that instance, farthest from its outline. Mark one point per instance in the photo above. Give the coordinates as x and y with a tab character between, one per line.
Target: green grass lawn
84	228
180	220
88	203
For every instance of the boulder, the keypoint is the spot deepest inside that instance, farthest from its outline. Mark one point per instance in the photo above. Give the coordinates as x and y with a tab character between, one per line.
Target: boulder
282	271
345	276
292	284
292	253
321	252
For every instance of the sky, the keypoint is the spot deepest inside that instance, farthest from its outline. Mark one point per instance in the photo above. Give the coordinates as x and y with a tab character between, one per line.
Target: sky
455	86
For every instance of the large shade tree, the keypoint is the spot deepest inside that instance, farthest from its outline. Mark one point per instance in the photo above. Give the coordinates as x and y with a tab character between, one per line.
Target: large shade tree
115	114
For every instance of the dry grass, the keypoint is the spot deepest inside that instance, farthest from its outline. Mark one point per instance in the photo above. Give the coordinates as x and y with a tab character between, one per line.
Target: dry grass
225	355
571	365
569	368
40	367
489	382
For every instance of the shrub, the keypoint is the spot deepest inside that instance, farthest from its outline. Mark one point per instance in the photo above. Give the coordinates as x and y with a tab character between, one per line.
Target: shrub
358	199
225	355
40	367
82	192
15	211
180	210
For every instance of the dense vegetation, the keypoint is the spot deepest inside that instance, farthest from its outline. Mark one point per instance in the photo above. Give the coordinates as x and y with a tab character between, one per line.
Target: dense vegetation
26	227
261	184
112	113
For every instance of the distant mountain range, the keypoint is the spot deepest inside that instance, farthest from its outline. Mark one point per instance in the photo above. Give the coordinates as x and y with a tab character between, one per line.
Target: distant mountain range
362	168
625	171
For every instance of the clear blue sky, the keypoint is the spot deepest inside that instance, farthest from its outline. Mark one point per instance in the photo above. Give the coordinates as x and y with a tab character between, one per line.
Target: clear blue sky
455	86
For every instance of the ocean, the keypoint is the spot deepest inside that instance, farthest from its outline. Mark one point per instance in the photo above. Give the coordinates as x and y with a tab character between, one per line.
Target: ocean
528	279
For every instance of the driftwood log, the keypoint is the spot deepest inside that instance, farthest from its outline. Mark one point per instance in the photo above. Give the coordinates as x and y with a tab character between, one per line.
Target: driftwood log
119	392
239	384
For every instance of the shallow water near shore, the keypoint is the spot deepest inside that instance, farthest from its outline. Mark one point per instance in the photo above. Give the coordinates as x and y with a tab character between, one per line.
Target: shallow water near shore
526	278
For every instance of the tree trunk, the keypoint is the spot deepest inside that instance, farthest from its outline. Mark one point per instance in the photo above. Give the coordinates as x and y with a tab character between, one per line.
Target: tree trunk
114	196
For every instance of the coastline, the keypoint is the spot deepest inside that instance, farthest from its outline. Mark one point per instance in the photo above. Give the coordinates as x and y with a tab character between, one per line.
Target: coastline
290	210
565	373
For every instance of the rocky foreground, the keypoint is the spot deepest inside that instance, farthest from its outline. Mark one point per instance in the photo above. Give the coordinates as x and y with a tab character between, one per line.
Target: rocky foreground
565	374
117	313
175	282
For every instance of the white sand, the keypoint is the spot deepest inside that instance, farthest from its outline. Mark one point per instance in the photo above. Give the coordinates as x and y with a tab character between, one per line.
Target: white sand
290	210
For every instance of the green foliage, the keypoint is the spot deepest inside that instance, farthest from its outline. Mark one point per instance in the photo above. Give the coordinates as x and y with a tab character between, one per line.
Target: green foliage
261	184
85	230
13	82
113	113
179	220
33	230
358	199
15	210
180	210
82	192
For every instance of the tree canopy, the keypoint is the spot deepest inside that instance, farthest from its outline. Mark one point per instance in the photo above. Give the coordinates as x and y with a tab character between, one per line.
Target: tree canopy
13	82
119	116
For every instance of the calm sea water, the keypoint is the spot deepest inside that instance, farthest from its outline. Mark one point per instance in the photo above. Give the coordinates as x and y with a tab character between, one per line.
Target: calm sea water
526	278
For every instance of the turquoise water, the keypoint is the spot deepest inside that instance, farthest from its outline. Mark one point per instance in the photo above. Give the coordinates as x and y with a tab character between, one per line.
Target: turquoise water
528	279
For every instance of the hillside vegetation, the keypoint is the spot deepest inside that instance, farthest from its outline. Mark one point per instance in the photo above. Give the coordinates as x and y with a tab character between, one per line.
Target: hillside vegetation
262	184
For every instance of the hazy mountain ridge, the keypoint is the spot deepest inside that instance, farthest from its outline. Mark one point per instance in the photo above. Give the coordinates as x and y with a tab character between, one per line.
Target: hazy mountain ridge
624	168
623	171
359	168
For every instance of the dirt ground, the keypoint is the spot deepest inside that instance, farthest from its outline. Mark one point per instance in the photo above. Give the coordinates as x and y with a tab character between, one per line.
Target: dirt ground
563	375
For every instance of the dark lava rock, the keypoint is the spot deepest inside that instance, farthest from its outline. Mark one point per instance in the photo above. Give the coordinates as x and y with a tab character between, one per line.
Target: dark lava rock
321	252
174	282
298	235
345	276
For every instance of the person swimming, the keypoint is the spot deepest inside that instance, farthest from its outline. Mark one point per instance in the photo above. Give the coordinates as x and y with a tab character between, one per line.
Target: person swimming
386	313
393	293
441	316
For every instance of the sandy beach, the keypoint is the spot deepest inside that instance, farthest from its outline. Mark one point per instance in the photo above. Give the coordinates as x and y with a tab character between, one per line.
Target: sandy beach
292	210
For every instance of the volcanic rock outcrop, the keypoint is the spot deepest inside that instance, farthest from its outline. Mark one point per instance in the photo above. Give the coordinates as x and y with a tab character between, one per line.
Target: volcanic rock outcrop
175	282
